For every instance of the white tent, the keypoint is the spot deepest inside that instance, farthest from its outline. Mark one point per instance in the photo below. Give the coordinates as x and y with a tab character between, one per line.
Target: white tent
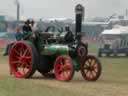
116	31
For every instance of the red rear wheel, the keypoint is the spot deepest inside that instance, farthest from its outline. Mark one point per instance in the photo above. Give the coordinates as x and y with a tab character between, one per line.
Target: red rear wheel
22	59
64	68
91	68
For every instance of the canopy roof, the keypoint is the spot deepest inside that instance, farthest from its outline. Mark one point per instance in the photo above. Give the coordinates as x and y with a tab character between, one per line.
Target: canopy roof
116	31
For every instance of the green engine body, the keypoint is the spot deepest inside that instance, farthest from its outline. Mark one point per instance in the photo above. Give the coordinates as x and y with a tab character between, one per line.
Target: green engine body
50	45
55	49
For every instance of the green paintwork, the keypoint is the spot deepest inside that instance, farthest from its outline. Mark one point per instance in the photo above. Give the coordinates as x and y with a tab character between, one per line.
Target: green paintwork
55	49
28	36
76	62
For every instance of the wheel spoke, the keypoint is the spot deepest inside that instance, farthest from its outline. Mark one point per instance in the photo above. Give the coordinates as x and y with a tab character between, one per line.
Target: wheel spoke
30	62
95	71
94	63
66	73
21	53
27	66
14	62
16	52
89	62
62	74
21	65
59	71
67	67
25	52
16	57
87	72
62	61
23	48
92	74
28	57
85	66
23	70
18	64
88	75
95	67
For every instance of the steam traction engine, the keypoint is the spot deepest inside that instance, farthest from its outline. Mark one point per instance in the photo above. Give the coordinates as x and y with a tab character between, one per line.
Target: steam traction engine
51	53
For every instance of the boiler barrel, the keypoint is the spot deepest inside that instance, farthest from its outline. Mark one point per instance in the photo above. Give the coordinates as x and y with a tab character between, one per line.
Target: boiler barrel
55	49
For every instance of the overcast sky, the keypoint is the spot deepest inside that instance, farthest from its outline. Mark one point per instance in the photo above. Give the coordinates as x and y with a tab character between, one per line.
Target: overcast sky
63	8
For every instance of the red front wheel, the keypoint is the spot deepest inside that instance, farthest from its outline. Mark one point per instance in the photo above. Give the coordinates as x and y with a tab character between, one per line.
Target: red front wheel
91	68
22	59
64	68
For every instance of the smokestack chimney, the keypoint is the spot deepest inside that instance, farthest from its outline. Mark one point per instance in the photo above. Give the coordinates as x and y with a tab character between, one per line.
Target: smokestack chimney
79	12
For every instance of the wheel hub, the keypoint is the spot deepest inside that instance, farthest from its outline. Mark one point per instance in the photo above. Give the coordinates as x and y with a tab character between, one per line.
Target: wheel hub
64	67
22	60
92	68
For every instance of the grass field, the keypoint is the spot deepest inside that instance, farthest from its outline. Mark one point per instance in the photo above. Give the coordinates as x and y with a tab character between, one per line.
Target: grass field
113	81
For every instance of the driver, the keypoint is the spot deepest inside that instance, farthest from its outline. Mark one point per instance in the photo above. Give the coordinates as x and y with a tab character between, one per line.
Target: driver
26	27
69	37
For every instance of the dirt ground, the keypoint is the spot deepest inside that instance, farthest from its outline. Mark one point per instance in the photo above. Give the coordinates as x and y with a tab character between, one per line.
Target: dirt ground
113	82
